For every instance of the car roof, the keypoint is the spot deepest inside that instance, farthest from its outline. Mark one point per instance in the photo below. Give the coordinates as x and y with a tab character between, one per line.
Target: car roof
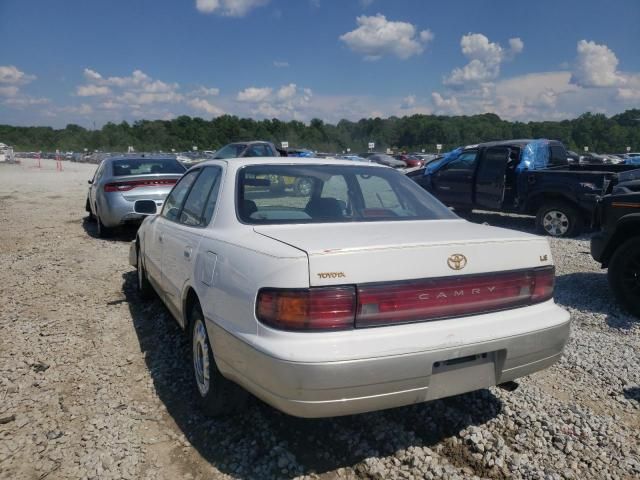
506	143
141	157
245	161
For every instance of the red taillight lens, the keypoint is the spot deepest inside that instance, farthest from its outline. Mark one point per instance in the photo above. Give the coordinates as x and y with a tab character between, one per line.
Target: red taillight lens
325	308
126	186
451	297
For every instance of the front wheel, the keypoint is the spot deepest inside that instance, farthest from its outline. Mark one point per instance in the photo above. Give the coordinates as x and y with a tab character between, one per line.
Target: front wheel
215	394
559	219
624	275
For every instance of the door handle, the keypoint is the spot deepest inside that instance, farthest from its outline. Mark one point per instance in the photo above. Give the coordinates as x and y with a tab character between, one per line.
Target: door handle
160	238
187	252
445	188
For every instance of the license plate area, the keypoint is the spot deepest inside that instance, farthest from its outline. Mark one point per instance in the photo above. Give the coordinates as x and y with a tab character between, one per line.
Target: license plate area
462	374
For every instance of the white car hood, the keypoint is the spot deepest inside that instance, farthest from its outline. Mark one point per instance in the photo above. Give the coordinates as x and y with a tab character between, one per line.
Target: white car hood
350	253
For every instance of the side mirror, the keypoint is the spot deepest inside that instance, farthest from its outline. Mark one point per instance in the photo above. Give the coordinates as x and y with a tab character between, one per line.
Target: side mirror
145	207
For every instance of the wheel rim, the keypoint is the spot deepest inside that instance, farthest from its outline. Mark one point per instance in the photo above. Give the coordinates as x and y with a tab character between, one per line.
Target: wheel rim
555	223
201	357
304	187
631	275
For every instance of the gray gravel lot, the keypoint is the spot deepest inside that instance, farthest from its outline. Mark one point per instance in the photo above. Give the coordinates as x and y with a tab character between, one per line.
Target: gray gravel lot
94	383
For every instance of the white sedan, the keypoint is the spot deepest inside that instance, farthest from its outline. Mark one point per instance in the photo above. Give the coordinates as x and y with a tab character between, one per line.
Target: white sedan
359	293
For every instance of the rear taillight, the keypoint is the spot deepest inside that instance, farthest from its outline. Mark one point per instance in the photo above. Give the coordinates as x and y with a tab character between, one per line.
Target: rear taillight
130	185
345	307
324	308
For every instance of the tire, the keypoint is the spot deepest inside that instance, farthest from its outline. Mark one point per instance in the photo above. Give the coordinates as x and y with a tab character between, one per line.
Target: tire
559	219
87	207
103	232
145	290
624	275
215	394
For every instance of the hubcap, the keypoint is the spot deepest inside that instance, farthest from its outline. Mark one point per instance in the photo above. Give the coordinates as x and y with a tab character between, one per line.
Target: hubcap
201	357
555	223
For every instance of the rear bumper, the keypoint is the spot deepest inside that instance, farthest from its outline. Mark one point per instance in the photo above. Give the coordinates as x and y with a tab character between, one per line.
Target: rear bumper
326	389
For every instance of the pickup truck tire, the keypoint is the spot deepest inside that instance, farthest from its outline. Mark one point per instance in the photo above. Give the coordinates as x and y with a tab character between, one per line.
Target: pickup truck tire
624	275
215	394
559	219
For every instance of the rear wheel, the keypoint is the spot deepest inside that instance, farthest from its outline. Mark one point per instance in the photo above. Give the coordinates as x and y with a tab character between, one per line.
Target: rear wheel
559	219
103	232
624	275
87	207
215	394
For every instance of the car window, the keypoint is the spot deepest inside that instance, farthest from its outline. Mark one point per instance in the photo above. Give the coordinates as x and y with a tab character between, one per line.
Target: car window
144	166
233	150
258	150
174	200
194	212
99	171
558	155
274	194
466	161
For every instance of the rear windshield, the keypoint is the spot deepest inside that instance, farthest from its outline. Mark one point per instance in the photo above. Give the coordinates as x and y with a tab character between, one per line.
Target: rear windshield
233	150
277	194
143	166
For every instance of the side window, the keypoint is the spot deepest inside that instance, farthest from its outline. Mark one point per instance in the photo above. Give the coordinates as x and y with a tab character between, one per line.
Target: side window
258	150
174	201
336	187
558	155
466	161
99	171
379	198
197	205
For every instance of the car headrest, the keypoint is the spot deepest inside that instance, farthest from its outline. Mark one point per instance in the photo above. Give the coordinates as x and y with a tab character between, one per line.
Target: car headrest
324	208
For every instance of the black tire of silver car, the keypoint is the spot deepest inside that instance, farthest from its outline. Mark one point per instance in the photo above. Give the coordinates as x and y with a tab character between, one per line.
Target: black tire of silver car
145	290
624	275
559	219
87	207
103	232
215	394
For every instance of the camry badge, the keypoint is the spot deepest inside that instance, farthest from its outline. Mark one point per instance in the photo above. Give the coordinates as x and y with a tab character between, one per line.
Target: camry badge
457	261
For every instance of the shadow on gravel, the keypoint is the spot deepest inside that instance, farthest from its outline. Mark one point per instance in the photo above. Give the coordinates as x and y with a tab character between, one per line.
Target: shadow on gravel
589	291
632	393
264	443
121	234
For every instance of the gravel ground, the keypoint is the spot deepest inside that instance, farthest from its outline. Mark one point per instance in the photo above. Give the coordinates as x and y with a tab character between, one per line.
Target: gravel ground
94	383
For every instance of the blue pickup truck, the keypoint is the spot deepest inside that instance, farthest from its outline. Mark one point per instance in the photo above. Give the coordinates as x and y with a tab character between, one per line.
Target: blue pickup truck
530	177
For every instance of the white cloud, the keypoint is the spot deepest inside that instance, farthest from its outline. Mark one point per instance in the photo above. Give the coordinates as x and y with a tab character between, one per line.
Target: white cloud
92	90
23	101
408	102
254	94
279	64
10	74
596	66
287	91
9	91
376	36
485	58
445	105
229	8
204	92
82	109
205	106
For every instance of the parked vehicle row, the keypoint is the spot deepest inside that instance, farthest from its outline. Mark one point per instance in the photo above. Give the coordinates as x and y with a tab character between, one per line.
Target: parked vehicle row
531	177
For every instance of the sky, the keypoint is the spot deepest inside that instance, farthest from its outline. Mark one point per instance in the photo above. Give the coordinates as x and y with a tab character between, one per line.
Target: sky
89	62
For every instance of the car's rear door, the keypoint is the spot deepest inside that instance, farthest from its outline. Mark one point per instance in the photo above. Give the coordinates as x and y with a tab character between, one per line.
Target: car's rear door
181	239
155	232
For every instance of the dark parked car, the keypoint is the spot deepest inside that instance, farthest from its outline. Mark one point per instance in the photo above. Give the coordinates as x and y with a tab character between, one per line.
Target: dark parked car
530	177
247	149
617	243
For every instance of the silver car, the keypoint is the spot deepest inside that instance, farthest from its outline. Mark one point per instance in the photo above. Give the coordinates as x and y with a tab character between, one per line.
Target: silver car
119	182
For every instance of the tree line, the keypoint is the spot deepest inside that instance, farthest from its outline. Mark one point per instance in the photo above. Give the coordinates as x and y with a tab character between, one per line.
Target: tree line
413	133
